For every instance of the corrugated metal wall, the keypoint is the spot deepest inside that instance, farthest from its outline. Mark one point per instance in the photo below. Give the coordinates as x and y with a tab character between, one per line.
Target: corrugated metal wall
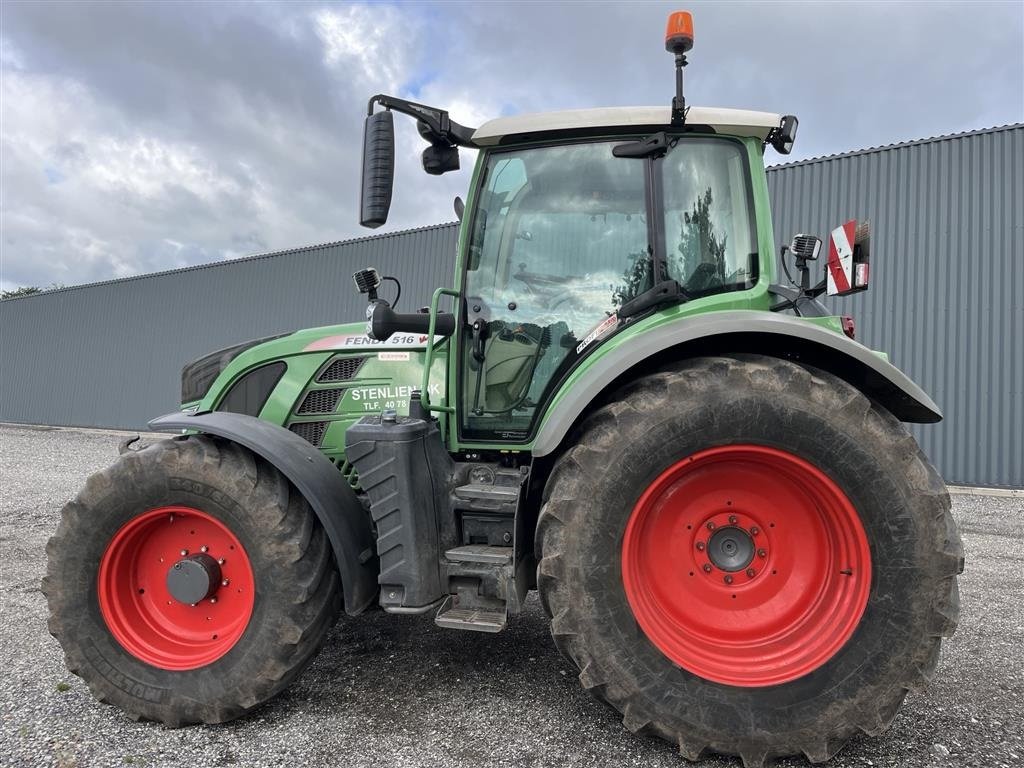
947	299
110	354
947	280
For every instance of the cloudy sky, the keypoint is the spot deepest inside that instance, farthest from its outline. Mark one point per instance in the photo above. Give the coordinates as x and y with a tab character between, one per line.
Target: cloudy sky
144	136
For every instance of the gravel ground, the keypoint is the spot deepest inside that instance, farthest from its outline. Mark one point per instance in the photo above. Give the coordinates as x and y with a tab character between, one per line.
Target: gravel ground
390	690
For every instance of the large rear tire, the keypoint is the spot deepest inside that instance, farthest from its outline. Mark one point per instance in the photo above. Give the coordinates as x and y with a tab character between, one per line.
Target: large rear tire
749	557
189	582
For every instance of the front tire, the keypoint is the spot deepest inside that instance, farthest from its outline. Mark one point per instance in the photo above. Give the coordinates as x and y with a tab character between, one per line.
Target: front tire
745	556
189	582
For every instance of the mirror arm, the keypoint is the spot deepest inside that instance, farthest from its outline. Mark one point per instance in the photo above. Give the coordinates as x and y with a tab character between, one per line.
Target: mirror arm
437	120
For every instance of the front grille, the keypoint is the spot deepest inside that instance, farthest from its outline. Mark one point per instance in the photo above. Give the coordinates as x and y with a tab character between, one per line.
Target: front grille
310	431
342	369
321	401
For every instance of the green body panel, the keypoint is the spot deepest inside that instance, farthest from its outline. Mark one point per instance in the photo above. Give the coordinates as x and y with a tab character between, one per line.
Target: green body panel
393	369
385	380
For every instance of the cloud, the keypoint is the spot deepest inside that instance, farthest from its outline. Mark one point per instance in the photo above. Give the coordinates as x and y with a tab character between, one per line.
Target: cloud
138	137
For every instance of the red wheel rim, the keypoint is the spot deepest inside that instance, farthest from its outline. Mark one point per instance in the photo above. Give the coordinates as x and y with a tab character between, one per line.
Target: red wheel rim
774	620
136	601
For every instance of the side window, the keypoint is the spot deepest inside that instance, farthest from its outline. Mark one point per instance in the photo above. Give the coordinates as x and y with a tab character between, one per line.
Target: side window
709	234
504	181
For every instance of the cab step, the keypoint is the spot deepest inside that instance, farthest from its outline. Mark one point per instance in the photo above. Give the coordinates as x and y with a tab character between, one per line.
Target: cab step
474	569
483	554
501	495
451	615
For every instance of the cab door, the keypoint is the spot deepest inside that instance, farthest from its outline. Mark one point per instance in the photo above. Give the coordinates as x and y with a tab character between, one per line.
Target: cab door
559	241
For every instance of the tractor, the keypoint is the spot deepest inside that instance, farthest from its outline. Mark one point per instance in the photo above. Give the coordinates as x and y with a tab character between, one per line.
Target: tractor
618	404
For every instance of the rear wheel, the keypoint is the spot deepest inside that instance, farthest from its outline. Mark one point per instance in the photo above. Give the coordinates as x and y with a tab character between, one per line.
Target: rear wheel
189	582
748	557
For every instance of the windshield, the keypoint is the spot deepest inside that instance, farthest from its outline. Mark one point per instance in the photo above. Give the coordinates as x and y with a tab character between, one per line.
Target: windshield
561	240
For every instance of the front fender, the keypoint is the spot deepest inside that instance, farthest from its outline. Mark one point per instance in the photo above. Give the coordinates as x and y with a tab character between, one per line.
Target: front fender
321	484
735	331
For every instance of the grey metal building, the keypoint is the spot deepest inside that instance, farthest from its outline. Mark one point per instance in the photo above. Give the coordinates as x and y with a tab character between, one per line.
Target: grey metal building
946	300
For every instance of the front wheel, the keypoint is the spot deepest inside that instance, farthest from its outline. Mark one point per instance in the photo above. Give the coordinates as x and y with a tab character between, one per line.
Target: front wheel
189	582
748	557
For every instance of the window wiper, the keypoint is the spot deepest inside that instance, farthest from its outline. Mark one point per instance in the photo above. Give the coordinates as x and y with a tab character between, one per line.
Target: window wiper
664	292
655	144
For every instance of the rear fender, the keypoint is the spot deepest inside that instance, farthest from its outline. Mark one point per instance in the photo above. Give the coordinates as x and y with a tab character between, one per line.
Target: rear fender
731	332
332	499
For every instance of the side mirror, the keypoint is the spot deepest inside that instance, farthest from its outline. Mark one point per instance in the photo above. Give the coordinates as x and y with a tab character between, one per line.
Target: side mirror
378	169
460	207
783	137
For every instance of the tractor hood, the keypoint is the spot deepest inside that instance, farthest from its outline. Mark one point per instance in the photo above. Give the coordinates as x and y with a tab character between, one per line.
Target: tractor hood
317	381
198	376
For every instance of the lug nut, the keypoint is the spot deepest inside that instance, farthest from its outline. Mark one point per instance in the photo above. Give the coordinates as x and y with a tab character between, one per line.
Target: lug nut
700	546
225	583
751	573
732	519
754	531
184	552
707	567
171	518
213	599
762	552
711	526
728	579
204	548
194	604
221	561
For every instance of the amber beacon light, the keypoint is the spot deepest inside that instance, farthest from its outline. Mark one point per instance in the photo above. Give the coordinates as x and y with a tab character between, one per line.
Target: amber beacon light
678	40
679	32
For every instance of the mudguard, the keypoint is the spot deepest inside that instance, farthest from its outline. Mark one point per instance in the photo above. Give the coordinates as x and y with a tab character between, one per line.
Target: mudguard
334	502
739	331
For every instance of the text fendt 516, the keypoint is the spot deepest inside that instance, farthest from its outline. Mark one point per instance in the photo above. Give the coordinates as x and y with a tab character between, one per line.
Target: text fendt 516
738	544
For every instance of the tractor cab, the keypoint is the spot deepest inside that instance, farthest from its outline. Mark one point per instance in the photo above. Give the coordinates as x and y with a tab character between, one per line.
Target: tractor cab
579	224
579	227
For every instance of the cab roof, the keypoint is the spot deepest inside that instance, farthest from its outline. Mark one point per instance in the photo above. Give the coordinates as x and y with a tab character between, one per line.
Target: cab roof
734	122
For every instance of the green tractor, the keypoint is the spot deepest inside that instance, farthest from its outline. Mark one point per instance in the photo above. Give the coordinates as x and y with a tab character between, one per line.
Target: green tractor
738	544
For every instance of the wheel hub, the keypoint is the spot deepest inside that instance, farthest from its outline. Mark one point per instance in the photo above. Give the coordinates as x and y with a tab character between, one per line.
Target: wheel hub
730	549
193	579
730	546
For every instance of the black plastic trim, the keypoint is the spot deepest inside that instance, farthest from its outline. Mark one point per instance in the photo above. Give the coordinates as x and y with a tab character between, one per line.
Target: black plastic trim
199	375
251	391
